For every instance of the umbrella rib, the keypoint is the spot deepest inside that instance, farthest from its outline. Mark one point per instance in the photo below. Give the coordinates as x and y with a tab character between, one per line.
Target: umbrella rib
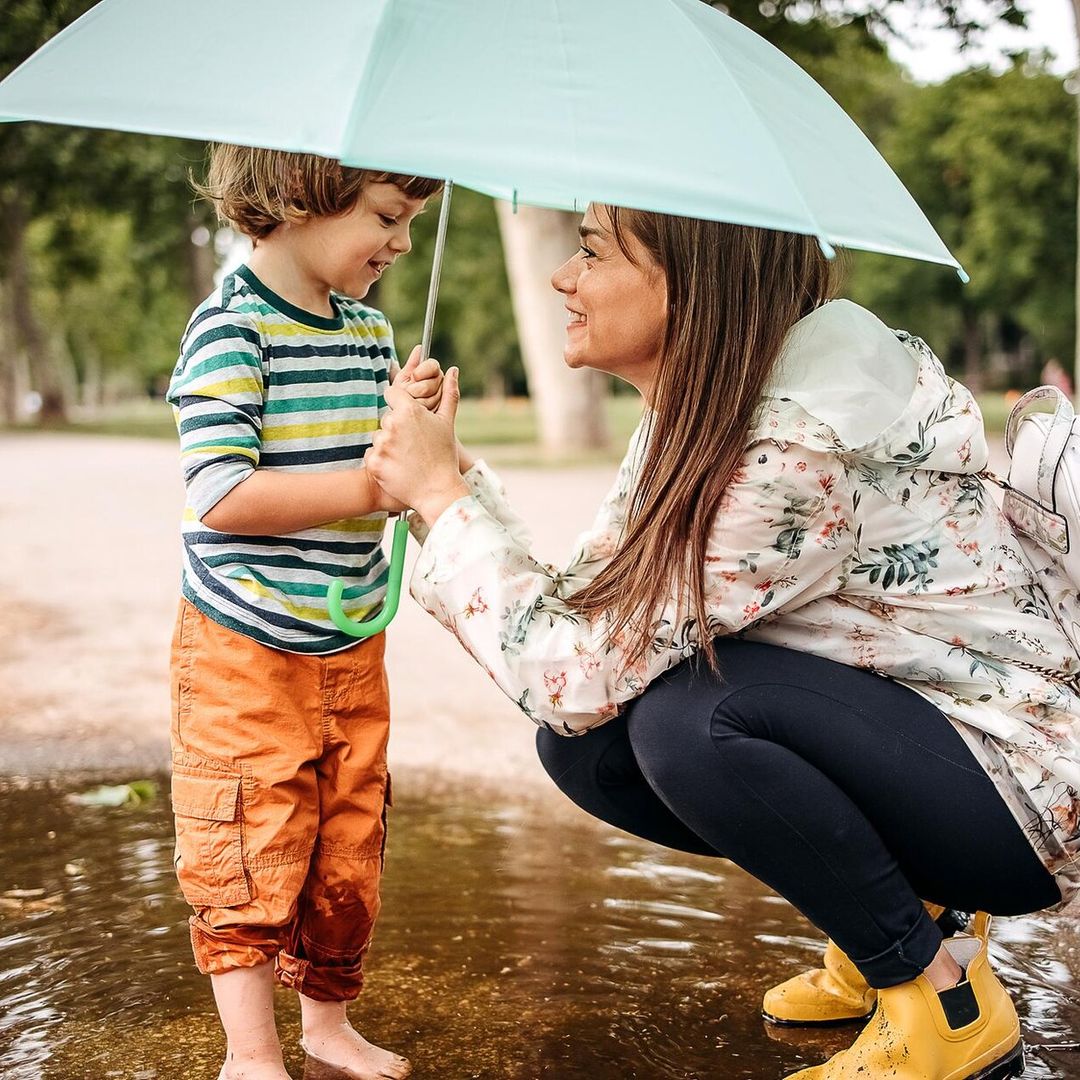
570	98
353	120
818	231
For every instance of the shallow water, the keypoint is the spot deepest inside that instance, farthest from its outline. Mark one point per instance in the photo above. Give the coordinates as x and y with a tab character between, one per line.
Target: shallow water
508	948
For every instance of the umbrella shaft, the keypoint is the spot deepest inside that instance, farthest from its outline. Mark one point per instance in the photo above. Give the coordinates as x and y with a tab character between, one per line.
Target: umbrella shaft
436	271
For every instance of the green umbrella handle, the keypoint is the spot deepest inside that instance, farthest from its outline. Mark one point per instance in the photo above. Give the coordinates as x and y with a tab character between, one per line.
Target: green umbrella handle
379	622
374	624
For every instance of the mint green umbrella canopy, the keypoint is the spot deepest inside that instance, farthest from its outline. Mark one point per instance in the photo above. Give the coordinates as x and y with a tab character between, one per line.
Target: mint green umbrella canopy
663	105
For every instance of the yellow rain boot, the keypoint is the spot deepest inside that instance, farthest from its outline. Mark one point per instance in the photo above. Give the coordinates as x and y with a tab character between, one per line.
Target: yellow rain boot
970	1032
834	994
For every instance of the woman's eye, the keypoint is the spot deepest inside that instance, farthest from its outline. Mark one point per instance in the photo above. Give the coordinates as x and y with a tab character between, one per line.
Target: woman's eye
387	220
587	252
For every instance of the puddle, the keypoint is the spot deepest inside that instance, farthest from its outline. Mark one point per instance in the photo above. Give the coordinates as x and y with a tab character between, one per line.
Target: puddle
509	947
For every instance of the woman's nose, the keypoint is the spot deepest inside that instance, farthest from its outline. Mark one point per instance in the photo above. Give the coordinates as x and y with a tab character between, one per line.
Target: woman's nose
565	277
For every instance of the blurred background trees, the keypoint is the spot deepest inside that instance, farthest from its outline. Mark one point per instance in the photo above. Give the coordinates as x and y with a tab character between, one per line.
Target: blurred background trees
104	250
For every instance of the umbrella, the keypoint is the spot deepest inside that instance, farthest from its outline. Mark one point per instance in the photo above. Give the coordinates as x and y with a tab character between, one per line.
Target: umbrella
662	105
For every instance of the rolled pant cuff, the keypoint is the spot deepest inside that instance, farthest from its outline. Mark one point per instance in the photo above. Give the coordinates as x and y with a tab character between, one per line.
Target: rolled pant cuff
906	959
217	953
321	982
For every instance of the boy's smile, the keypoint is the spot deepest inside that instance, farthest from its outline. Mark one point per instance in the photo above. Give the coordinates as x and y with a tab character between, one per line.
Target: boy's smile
351	251
346	253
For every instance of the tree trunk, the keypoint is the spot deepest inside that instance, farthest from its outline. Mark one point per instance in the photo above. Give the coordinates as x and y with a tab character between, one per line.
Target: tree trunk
28	333
973	352
1076	347
9	361
202	260
569	404
93	379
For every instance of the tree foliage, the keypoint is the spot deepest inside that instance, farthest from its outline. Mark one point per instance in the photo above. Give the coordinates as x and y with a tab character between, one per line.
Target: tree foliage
101	222
992	161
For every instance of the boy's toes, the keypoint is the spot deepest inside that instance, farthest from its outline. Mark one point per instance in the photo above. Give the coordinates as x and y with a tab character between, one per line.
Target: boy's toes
397	1069
347	1051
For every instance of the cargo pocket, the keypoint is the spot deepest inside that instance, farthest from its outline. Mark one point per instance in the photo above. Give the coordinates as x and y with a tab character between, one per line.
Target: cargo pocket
209	839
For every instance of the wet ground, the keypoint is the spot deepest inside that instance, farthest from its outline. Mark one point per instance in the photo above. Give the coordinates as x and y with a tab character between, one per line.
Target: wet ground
509	947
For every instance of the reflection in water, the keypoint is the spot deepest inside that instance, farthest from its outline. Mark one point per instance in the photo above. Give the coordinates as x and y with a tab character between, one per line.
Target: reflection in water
509	947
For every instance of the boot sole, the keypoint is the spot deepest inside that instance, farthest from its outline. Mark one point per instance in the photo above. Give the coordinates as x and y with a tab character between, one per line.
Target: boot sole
1012	1064
844	1021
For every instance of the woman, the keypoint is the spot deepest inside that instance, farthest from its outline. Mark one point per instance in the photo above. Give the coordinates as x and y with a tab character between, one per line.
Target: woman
798	515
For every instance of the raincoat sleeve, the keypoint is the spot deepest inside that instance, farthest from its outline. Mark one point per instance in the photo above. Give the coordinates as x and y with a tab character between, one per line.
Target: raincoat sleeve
485	485
781	539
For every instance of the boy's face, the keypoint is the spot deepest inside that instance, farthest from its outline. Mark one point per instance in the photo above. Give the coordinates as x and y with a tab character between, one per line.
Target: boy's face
349	252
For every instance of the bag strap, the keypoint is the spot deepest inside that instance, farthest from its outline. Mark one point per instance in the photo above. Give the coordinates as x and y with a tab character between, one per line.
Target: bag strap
1044	399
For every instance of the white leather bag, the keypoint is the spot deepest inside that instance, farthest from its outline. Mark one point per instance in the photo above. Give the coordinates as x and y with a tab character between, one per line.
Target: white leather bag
1042	495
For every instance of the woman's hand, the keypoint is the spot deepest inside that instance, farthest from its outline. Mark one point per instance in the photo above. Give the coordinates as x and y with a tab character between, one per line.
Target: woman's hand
378	498
414	455
465	460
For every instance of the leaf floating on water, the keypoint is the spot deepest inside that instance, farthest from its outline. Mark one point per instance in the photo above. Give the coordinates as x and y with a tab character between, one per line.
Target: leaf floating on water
133	794
26	904
102	796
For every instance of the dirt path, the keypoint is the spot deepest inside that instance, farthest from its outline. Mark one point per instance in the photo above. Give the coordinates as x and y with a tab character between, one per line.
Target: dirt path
89	578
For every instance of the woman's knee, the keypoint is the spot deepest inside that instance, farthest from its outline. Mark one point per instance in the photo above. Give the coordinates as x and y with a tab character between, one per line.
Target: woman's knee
556	753
674	725
582	765
669	718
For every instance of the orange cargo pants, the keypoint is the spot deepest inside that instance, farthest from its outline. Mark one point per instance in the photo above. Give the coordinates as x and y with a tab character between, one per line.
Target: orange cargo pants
280	789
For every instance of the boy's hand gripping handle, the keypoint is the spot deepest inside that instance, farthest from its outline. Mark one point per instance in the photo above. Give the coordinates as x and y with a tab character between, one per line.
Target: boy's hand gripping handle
378	622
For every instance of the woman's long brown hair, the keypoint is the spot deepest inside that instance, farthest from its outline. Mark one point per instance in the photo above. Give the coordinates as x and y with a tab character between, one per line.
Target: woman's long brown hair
734	292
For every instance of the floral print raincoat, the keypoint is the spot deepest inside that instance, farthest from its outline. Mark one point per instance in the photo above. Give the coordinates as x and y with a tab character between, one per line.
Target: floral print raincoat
857	528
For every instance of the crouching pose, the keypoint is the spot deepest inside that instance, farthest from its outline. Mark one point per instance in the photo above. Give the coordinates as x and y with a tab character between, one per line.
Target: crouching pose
800	635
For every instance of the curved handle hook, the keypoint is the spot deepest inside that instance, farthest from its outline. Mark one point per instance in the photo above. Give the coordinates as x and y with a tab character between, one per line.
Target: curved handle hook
378	622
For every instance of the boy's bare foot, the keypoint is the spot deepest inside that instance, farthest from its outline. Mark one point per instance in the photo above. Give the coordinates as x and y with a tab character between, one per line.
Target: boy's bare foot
245	1000
253	1069
345	1049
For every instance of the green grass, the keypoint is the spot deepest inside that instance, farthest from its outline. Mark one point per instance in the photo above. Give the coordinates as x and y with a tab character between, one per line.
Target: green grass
506	431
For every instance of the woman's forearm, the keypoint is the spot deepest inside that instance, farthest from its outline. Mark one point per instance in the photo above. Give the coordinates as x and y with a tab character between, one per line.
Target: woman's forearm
465	460
273	503
435	502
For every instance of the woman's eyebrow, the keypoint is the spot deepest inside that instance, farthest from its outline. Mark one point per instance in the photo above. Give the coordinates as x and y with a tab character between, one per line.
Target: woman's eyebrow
585	231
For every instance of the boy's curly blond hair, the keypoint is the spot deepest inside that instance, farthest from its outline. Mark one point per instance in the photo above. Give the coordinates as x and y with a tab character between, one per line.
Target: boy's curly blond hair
256	190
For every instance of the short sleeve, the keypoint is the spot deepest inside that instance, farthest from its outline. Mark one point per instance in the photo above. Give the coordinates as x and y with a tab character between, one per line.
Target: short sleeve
217	396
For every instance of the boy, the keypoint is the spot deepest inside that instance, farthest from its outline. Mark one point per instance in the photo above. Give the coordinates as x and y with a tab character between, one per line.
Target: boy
280	721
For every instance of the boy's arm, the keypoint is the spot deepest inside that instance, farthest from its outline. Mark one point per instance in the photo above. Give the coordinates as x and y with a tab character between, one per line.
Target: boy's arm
217	392
272	503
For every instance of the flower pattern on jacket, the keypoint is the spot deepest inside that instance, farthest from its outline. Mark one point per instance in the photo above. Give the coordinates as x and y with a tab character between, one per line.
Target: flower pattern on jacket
889	556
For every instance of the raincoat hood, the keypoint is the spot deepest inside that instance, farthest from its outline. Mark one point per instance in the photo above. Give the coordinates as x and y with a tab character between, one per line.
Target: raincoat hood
881	394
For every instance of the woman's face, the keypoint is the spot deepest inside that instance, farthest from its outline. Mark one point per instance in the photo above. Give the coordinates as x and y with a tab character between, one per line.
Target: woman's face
616	308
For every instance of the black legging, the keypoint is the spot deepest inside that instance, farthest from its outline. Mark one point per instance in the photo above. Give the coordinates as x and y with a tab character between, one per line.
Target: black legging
849	794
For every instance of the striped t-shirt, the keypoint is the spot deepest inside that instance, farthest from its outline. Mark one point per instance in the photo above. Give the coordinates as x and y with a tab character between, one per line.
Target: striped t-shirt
263	384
